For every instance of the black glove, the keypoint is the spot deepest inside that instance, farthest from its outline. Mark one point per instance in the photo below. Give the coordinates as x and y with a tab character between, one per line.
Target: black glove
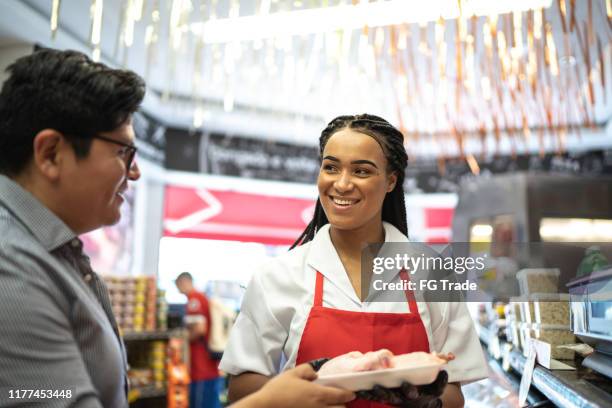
408	395
317	364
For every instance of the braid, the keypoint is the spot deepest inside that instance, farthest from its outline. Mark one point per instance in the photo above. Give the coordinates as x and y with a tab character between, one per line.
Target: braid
318	220
391	141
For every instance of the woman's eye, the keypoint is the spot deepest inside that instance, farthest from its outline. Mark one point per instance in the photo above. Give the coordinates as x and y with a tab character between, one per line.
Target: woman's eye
123	152
362	172
329	167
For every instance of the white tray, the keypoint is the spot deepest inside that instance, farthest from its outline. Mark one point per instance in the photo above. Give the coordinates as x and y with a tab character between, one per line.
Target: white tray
389	377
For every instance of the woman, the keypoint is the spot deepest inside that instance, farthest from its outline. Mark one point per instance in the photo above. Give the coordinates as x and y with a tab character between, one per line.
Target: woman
307	304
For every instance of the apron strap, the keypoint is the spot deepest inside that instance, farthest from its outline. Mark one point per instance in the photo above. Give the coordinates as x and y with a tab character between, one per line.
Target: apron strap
318	295
412	305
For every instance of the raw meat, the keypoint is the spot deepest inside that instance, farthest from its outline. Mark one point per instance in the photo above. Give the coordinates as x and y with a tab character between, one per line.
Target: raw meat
356	361
419	358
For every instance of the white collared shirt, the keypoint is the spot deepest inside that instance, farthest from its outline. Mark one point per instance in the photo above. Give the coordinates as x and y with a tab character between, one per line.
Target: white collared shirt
277	303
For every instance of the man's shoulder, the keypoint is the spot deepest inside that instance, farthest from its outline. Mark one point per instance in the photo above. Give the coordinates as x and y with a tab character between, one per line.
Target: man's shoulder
20	251
201	297
15	237
27	269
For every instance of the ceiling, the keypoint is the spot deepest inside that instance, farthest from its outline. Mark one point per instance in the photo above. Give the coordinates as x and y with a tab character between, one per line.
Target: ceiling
451	87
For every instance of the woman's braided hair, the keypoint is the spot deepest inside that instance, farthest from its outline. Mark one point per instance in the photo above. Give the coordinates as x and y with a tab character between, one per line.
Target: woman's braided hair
391	141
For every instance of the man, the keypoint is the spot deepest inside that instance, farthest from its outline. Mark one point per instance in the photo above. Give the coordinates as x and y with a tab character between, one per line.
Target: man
66	157
205	381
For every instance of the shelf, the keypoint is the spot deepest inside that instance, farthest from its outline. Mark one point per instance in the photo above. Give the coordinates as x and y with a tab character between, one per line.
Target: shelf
138	393
563	388
483	333
152	335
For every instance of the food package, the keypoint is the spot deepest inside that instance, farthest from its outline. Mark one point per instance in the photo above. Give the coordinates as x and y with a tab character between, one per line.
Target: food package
357	371
555	335
526	310
515	336
545	308
515	304
538	280
140	377
551	308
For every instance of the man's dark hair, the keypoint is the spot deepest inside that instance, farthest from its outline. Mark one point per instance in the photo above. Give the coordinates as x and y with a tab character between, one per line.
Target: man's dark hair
65	91
184	275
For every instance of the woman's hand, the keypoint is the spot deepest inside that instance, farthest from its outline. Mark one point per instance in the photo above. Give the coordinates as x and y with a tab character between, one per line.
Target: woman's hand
294	388
408	395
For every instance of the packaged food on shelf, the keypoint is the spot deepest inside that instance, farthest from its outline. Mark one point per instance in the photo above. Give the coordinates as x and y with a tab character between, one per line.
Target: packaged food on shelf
515	304
526	309
545	308
158	362
538	280
499	310
508	312
162	310
525	335
140	297
508	331
135	303
140	377
555	335
551	308
516	338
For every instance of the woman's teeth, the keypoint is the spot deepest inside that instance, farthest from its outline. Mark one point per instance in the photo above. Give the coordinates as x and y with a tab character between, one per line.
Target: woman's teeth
343	202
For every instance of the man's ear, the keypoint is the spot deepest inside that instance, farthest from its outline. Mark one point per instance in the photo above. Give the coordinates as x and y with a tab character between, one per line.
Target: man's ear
392	180
49	147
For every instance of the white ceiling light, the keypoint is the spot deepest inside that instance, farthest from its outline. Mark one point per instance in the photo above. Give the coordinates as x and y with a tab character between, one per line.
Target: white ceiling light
343	17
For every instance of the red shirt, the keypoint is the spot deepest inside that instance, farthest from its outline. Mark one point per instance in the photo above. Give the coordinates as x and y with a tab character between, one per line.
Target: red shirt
202	366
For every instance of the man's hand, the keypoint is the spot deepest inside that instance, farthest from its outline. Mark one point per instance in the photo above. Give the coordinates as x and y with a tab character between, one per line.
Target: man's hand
196	325
295	388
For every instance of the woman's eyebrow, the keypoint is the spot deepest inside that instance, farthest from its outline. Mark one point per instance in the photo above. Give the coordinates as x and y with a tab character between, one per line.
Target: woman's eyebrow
363	161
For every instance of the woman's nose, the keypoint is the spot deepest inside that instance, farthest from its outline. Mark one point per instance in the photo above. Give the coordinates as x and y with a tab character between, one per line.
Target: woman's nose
343	182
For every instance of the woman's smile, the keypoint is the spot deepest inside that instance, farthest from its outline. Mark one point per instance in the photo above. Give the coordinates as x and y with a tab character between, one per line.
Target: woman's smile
343	203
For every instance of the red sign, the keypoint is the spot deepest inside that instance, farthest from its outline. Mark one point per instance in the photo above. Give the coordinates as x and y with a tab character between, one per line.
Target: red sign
234	216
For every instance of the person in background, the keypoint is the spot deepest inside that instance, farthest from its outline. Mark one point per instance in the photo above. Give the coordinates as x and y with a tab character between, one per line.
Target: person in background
205	380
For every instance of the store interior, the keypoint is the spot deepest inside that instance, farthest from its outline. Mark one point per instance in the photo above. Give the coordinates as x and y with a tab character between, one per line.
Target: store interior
505	107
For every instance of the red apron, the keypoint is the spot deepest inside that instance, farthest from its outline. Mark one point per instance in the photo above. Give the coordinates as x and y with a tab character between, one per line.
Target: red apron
333	332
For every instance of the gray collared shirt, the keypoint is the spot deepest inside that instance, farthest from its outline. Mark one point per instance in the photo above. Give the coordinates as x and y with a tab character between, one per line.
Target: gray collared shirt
55	329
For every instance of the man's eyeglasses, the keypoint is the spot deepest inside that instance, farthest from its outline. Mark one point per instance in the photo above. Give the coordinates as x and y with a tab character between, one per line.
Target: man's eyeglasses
128	154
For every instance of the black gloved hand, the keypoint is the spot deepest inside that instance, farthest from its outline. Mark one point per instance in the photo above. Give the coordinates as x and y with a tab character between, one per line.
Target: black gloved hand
408	395
318	363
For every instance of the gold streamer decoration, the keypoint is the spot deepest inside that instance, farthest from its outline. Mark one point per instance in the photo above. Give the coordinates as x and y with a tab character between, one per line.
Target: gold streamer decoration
509	77
96	13
55	10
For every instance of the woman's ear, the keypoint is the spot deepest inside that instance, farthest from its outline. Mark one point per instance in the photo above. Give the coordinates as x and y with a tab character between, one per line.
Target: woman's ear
48	153
391	181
